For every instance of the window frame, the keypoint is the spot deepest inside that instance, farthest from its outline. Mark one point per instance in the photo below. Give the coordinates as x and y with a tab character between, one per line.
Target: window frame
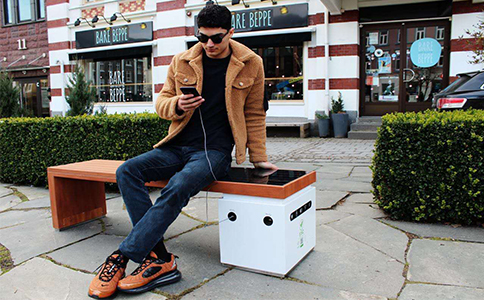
418	31
34	10
383	37
440	30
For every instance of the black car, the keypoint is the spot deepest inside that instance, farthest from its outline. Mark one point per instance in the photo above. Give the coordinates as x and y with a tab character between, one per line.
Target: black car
464	93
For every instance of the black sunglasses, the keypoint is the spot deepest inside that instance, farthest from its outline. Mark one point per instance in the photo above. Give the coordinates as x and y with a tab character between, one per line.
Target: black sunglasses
216	38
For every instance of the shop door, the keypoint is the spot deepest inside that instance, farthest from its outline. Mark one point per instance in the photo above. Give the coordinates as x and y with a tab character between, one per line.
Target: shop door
34	96
397	76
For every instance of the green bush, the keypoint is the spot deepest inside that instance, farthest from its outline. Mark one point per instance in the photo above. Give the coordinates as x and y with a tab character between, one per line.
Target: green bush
429	166
29	145
9	97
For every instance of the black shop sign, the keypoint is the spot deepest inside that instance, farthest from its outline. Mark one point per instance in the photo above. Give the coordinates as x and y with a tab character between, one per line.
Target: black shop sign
267	18
115	35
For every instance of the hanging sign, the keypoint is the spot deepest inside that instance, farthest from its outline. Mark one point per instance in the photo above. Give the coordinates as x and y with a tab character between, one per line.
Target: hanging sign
425	53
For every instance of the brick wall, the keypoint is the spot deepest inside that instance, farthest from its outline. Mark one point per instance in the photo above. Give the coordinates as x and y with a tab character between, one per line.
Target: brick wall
35	35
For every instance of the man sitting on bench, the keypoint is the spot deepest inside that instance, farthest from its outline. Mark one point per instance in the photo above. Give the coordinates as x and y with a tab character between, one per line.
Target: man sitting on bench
196	151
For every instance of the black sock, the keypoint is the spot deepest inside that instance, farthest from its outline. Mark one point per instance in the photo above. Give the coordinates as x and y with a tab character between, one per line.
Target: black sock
124	258
160	251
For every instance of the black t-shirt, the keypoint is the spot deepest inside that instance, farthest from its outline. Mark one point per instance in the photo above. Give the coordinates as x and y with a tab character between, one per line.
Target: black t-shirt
214	111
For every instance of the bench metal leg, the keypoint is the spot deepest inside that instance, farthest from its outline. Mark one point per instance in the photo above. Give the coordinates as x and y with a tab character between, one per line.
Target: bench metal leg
75	201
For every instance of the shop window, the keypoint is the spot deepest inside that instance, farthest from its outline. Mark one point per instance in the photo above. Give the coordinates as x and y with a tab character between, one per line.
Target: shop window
23	11
283	72
439	33
383	37
420	33
122	80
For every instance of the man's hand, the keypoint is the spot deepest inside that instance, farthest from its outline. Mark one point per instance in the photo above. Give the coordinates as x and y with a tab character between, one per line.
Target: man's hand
265	165
188	102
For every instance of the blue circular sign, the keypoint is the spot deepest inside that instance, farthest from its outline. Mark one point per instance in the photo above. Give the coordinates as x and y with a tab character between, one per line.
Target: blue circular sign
425	53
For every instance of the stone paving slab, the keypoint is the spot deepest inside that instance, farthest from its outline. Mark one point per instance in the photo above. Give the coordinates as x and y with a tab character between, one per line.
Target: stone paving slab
9	201
333	170
327	199
364	179
36	203
340	262
5	191
444	262
32	192
390	241
17	217
238	284
87	255
462	233
362	171
353	205
308	167
112	195
33	238
324	217
41	279
439	292
196	208
360	198
342	185
118	223
115	205
199	258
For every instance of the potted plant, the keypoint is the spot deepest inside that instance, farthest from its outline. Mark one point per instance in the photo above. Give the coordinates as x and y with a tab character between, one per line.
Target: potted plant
323	124
339	117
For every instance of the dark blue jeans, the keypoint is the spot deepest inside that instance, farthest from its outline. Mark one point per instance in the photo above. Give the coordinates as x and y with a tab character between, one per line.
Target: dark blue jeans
189	173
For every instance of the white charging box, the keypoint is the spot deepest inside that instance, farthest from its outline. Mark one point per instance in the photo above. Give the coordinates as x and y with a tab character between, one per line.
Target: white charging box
267	235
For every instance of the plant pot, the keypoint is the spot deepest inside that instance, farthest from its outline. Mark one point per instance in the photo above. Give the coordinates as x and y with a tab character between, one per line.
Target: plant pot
340	124
323	127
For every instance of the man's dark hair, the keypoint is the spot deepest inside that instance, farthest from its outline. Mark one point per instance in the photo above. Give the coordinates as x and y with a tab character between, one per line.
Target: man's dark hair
214	16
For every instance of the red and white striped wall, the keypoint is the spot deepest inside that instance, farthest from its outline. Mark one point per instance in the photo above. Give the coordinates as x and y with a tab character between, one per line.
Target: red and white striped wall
465	15
343	69
59	43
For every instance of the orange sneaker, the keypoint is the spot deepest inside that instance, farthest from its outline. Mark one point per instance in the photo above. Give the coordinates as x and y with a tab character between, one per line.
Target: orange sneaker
106	281
151	273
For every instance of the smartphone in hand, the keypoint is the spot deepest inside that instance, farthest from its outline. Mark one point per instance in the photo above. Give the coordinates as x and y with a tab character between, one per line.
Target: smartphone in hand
189	90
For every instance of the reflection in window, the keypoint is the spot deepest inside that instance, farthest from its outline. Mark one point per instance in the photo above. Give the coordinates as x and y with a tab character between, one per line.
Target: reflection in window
420	33
383	37
124	80
22	11
439	33
283	72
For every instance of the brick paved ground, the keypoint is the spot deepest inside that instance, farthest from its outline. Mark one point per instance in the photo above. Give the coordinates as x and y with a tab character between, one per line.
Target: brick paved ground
319	150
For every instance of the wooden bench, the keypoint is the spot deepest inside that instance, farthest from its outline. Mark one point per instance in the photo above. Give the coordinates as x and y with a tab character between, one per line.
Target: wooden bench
304	127
77	190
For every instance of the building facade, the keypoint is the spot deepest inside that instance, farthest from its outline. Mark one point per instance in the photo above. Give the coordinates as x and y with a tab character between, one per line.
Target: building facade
312	50
24	52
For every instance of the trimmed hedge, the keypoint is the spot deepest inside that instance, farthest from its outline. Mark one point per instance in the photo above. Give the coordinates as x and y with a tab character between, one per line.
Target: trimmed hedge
429	166
29	145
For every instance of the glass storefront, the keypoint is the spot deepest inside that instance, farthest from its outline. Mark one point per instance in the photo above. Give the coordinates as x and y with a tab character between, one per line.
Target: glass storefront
34	96
283	71
121	80
405	64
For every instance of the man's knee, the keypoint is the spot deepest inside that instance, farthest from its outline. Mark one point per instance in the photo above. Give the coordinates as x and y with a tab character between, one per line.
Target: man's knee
127	169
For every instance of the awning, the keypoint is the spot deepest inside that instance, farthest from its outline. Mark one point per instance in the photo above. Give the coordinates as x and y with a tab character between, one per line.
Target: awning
112	53
270	39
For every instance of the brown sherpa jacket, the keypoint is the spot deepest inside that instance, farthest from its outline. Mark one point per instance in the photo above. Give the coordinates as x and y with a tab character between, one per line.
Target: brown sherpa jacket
244	95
